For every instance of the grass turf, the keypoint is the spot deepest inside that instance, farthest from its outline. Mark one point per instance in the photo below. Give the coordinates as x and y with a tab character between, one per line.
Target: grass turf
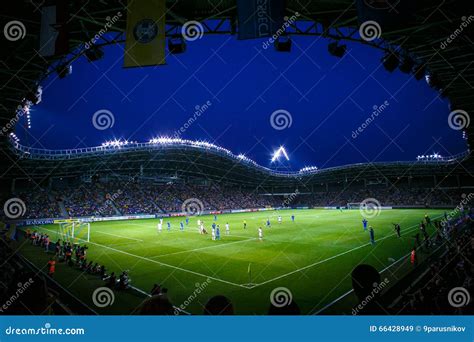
312	257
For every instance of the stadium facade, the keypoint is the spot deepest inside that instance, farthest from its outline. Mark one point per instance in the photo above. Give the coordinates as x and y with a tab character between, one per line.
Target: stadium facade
183	161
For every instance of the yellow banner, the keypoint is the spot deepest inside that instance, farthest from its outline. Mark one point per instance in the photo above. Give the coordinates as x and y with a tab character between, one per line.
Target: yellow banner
65	221
145	41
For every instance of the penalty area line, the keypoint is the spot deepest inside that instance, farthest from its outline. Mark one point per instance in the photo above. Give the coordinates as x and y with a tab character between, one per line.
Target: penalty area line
409	229
162	263
202	248
119	236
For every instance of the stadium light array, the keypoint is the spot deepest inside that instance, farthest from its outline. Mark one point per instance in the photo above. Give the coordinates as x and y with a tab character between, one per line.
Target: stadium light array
308	169
278	153
430	157
28	119
164	140
14	137
115	143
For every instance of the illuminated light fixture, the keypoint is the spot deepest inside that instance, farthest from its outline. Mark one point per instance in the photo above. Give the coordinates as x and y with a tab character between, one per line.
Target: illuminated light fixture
115	143
278	153
164	140
308	169
14	137
432	157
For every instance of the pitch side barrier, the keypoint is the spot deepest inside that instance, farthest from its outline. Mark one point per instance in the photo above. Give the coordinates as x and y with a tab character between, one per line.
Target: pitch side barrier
345	207
45	221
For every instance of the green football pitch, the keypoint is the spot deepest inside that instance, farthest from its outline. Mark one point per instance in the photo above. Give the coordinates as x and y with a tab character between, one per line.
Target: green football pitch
311	258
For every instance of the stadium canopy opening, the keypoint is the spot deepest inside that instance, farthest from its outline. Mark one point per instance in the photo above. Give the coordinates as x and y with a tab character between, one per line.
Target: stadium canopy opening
415	45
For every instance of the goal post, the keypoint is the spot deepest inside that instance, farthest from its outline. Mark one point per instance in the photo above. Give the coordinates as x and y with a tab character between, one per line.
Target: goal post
354	205
74	230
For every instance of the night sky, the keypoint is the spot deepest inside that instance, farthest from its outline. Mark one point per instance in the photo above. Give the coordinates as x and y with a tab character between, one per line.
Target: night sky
328	99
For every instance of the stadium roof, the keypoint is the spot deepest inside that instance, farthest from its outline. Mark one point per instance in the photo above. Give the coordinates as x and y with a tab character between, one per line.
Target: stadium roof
431	24
172	160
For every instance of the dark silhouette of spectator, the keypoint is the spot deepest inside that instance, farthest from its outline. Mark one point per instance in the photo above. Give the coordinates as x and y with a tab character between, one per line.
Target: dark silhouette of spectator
156	305
156	290
34	299
365	279
219	305
111	280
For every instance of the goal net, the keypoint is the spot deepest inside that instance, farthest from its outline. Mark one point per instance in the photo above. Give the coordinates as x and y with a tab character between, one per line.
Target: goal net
354	205
74	231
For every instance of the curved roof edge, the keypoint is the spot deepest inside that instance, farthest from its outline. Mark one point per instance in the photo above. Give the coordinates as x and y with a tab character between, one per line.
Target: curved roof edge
164	143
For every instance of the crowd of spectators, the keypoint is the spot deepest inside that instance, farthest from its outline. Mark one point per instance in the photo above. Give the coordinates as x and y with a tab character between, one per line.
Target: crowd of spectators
88	199
387	197
22	290
430	293
39	204
440	286
445	288
125	197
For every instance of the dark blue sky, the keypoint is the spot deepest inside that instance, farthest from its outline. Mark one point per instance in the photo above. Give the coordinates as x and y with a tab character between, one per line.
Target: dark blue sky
328	98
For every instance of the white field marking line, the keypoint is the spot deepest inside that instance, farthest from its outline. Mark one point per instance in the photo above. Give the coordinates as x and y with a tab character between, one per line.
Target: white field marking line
332	257
193	230
132	243
159	263
119	236
202	248
352	290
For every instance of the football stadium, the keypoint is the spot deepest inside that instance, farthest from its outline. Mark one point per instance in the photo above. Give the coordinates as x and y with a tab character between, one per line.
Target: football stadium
236	158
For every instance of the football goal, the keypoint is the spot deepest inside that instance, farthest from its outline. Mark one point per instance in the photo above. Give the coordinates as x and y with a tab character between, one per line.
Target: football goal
74	230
